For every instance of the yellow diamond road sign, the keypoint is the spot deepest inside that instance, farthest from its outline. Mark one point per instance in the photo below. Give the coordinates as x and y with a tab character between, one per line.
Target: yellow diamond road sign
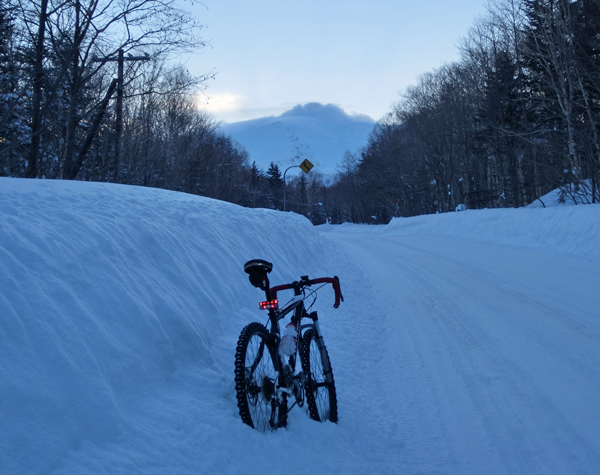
306	166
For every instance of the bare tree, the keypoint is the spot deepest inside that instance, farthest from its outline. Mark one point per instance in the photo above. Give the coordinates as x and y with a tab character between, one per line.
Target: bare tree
83	38
553	63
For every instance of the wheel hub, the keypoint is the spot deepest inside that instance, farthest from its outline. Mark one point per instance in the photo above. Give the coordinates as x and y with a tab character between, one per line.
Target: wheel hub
267	388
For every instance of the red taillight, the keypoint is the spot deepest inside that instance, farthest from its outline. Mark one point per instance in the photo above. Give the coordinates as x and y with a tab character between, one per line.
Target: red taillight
274	304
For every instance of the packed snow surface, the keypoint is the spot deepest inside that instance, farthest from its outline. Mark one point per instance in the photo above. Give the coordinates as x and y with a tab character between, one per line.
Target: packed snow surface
468	343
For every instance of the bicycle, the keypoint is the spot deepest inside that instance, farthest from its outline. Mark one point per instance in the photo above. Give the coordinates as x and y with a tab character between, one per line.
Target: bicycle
265	361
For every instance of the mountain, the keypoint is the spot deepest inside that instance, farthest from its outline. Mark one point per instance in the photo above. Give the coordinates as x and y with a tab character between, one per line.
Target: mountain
318	132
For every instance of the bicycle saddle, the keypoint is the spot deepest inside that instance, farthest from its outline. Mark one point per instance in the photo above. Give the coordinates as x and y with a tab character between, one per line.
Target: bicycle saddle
258	270
258	265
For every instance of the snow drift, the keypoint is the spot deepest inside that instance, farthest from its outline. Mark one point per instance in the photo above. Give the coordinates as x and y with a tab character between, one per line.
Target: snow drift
108	291
569	230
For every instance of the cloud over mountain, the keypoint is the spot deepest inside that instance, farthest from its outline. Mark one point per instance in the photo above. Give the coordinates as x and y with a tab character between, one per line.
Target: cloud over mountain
319	132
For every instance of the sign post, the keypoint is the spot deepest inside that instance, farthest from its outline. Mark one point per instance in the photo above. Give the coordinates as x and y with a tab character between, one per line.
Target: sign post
305	166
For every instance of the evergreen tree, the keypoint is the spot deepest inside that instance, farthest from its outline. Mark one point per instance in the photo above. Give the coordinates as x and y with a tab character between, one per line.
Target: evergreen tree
303	192
275	186
258	188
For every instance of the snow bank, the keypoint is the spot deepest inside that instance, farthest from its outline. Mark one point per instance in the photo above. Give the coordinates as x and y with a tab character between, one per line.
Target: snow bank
569	230
565	229
109	293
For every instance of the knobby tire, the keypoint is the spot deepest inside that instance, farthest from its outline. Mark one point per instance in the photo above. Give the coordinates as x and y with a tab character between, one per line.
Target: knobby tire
320	387
256	378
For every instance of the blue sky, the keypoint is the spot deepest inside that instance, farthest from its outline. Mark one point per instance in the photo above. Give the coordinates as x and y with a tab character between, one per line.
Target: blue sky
273	54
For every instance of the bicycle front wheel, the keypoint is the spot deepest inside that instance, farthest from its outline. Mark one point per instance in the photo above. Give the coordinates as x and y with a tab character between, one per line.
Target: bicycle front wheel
320	387
256	380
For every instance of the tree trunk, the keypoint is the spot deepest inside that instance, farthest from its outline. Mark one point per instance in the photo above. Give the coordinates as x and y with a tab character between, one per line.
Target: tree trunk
94	128
36	100
69	171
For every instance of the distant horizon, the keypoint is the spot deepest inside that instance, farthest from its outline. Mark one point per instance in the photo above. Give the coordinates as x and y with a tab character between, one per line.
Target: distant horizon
350	114
319	132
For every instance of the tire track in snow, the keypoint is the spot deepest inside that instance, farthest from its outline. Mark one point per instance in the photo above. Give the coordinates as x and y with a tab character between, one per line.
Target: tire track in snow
493	388
381	394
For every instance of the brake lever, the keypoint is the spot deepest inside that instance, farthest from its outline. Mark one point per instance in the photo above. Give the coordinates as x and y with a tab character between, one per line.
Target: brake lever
339	289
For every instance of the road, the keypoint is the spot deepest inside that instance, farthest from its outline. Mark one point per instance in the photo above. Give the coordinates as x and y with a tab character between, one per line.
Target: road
474	358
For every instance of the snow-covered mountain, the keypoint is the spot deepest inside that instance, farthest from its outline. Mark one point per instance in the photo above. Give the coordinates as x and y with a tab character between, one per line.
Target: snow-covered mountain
467	342
318	132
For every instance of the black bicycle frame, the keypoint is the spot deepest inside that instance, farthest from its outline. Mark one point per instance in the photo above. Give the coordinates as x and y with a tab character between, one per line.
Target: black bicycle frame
275	316
297	306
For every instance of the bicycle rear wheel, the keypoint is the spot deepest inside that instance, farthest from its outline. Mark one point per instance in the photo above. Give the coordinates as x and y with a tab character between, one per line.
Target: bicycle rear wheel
320	387
256	379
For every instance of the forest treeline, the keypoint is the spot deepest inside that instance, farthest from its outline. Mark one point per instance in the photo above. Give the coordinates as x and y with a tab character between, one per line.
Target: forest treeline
517	116
89	91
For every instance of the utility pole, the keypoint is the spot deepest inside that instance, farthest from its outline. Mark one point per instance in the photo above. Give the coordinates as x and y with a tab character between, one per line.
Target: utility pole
120	59
119	125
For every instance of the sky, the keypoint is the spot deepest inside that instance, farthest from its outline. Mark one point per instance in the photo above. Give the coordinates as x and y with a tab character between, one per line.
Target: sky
271	55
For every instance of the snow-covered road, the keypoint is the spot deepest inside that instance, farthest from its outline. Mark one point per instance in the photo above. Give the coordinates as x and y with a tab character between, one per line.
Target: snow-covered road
468	343
490	354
